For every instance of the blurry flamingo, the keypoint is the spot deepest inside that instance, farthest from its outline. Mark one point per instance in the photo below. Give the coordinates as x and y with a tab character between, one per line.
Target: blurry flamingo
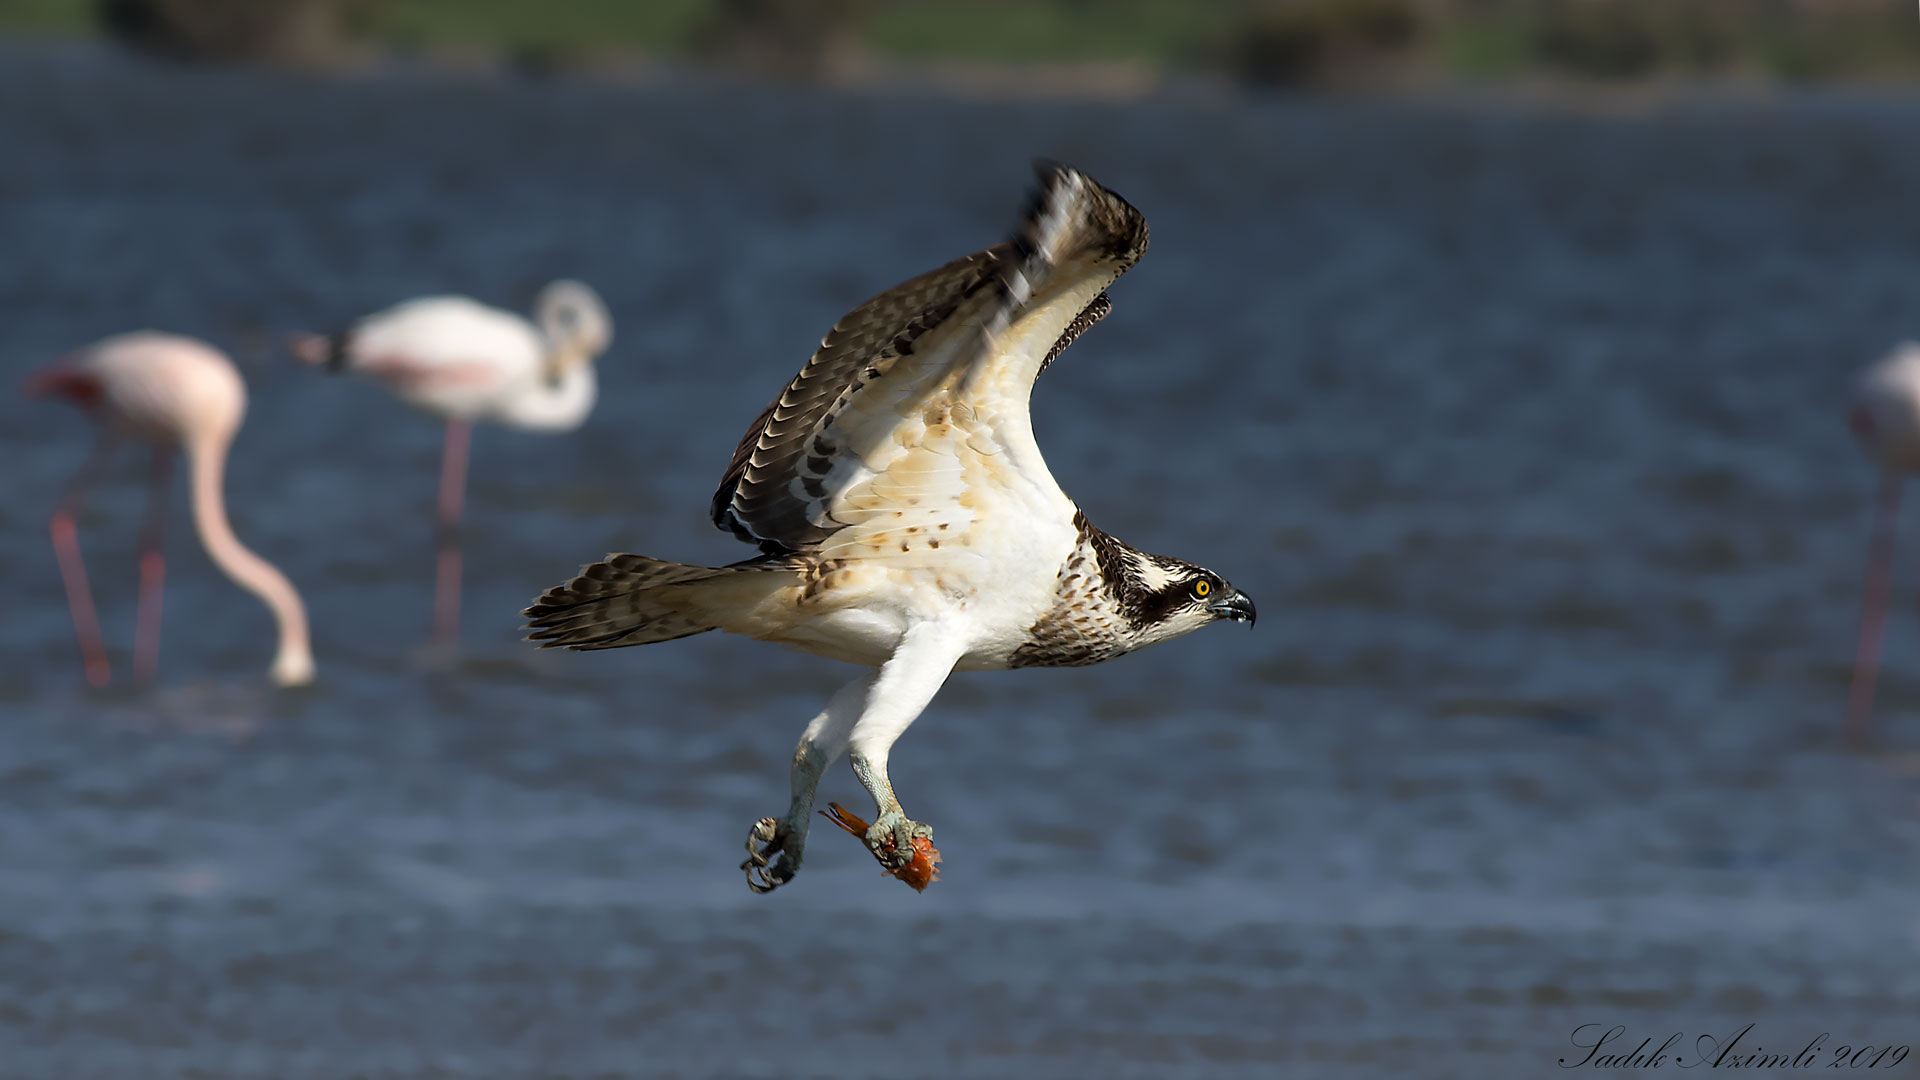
176	393
459	359
1886	418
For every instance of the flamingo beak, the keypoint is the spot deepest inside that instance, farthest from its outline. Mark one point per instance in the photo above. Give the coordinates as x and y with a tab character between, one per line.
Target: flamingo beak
60	381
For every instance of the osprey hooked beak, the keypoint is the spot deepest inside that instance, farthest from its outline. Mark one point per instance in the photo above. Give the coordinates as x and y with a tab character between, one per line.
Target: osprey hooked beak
1235	605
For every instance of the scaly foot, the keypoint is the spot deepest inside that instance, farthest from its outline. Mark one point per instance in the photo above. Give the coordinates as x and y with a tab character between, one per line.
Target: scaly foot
905	848
773	854
891	838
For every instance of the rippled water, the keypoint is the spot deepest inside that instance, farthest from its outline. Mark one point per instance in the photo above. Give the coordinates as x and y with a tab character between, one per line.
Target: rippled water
1522	427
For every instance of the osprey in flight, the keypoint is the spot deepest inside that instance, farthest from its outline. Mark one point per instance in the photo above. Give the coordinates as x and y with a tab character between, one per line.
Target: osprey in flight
907	521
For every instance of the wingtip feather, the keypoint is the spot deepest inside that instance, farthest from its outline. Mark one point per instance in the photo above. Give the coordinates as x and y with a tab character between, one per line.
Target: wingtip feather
1069	213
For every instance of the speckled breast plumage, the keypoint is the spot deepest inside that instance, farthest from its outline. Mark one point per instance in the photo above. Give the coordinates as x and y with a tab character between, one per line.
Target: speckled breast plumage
1087	623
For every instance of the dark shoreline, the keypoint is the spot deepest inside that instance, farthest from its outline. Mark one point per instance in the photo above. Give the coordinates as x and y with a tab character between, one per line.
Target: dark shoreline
1067	83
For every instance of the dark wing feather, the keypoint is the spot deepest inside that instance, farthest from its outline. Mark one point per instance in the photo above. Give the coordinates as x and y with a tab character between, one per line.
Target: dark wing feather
1073	231
749	501
1100	308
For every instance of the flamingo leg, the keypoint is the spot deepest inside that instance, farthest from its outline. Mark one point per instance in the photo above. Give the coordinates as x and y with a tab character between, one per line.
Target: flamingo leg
1873	609
73	569
453	485
153	571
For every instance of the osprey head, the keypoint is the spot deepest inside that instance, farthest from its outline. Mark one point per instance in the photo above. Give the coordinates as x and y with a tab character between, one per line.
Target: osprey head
1165	598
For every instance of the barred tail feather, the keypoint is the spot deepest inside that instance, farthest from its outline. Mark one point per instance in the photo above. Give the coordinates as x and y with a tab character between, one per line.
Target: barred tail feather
615	603
636	600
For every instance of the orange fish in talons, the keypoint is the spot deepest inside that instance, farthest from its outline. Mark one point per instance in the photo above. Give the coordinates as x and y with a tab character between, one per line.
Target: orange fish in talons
918	871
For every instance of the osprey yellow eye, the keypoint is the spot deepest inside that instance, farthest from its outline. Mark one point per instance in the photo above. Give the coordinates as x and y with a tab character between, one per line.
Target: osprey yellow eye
1202	588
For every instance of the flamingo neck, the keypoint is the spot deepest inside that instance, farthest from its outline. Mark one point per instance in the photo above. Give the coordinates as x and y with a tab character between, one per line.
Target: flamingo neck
560	400
293	664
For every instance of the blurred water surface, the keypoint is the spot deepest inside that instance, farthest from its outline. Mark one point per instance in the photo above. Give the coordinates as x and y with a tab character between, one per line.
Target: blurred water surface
1523	428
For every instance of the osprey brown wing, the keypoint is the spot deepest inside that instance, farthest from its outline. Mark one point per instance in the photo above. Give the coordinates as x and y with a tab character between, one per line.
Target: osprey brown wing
875	367
754	500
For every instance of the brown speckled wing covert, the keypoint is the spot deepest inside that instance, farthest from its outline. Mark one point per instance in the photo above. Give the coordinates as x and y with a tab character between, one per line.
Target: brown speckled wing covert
899	345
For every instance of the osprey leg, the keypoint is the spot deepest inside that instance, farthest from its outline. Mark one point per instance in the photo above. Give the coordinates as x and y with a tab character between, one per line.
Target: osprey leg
905	685
785	839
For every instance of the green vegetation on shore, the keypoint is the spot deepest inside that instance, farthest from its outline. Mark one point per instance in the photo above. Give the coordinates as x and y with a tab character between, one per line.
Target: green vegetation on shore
1281	42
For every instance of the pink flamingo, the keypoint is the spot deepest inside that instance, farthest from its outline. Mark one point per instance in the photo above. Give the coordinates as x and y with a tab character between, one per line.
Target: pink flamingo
1886	418
465	361
176	393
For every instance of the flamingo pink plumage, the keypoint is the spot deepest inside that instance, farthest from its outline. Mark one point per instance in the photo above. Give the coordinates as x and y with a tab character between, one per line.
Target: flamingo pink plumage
178	394
462	360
